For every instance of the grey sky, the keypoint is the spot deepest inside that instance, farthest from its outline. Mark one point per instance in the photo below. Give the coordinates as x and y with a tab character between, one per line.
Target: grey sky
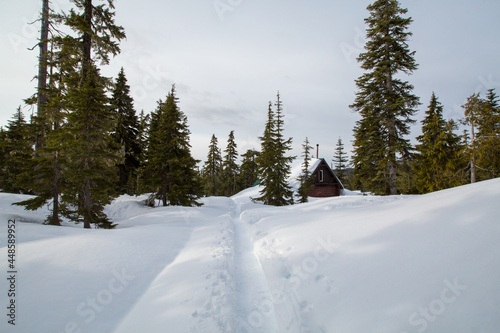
228	61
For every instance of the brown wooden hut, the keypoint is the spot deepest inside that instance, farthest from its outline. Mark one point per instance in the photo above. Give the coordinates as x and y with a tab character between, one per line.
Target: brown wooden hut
326	184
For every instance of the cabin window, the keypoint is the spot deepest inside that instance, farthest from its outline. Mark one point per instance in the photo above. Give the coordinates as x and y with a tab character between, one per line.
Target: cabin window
320	176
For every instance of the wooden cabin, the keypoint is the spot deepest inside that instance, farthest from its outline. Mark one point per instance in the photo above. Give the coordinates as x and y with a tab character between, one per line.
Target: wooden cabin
326	183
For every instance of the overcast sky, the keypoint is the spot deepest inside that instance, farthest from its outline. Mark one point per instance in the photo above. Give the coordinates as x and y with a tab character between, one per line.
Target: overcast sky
228	59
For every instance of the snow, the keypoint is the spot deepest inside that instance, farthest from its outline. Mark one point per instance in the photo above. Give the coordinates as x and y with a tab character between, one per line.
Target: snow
346	264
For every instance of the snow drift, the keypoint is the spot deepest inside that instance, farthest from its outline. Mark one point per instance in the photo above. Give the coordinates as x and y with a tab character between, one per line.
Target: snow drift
398	264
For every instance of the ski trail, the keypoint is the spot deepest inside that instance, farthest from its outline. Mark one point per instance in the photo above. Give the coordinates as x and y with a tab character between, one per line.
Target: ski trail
254	308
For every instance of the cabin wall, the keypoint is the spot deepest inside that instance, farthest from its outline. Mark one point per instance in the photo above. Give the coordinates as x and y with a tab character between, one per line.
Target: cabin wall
330	190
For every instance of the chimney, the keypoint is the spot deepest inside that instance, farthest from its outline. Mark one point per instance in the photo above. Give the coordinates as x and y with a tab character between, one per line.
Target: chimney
317	151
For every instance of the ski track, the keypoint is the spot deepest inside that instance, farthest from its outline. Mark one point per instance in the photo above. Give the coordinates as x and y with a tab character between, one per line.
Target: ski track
239	298
254	307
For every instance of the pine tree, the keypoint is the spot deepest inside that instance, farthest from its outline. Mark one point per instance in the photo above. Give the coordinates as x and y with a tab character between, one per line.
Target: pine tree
17	148
249	170
340	161
46	171
170	170
126	134
91	151
230	168
305	176
384	101
212	169
439	151
274	166
98	35
472	111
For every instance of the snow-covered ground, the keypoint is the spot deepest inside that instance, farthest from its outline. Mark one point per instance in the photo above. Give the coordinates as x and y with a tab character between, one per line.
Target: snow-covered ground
362	264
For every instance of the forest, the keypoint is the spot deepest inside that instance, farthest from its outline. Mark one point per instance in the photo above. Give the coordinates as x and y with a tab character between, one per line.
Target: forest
86	144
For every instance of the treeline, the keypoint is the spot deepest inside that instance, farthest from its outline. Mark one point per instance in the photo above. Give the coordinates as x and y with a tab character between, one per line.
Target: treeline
86	145
384	160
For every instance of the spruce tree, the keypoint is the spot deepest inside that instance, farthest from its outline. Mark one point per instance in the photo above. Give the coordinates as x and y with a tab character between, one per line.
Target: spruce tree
249	170
126	134
212	169
305	176
170	170
439	151
230	168
92	152
340	161
274	165
472	111
46	172
17	148
384	101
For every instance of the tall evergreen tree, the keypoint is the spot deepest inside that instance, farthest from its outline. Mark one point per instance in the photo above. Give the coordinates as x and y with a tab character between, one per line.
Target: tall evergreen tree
305	176
212	169
383	100
170	170
249	170
472	111
273	163
439	151
230	168
340	161
126	134
92	152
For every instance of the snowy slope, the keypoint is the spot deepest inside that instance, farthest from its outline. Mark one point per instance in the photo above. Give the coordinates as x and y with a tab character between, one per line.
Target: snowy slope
347	264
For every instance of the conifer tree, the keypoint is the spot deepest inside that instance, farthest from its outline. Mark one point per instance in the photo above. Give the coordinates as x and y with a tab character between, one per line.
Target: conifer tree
170	170
274	166
142	135
249	170
439	151
212	169
340	161
305	176
92	152
17	148
126	134
383	100
472	111
488	137
230	168
3	158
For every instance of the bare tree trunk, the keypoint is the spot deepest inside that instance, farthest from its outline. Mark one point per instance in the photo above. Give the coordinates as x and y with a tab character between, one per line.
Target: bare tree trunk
42	67
87	40
392	172
473	157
